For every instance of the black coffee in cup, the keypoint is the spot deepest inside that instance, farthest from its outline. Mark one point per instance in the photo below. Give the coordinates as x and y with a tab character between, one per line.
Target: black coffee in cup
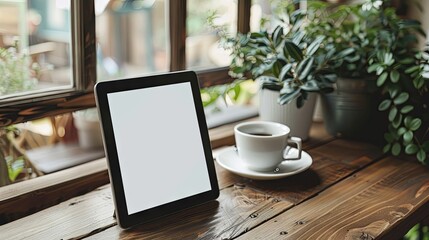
261	134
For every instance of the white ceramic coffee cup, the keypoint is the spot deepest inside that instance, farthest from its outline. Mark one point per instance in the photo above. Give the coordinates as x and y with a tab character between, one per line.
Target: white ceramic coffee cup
263	145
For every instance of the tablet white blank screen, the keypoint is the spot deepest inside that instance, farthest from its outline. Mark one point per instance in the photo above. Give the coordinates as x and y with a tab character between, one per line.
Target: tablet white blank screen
159	145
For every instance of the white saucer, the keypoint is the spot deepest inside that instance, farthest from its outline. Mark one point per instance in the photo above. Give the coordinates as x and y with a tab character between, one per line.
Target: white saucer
229	160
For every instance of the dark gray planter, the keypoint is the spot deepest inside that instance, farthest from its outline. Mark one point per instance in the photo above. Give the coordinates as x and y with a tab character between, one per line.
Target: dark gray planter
347	111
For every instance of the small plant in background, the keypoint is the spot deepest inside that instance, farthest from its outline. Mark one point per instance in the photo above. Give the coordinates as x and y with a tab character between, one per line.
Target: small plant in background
237	92
12	160
418	232
15	73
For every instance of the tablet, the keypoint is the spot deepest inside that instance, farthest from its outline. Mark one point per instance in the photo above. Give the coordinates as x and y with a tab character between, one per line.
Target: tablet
157	145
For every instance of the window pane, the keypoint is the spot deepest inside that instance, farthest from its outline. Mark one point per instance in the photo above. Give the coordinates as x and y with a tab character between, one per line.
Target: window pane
202	47
35	45
132	37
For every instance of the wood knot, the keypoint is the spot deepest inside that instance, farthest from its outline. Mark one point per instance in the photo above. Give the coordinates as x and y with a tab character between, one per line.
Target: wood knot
253	215
300	222
366	236
74	203
422	189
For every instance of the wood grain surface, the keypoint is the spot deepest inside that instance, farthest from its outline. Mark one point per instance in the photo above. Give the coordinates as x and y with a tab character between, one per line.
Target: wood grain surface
366	205
27	197
238	210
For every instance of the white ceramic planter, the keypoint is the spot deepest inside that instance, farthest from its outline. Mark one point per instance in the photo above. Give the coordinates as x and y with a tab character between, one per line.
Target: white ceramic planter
299	120
88	129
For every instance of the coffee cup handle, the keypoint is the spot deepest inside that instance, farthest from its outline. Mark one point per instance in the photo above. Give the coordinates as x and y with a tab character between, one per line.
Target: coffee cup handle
298	142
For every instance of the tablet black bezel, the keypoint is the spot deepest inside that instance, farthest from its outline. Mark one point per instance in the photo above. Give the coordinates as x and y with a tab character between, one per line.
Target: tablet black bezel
101	90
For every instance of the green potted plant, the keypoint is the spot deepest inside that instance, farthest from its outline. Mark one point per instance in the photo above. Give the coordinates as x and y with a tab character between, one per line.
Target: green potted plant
402	75
289	64
350	28
380	51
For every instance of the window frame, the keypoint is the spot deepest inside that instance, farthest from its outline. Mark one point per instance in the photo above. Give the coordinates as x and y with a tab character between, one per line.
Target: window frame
25	107
80	96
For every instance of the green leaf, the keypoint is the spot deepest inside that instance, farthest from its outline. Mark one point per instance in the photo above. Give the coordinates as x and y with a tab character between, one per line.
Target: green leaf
386	148
381	79
380	69
310	86
257	35
272	86
388	57
292	50
394	76
276	68
412	69
407	121
403	97
397	121
352	59
411	149
408	136
396	149
421	155
392	113
345	52
287	98
384	105
278	35
308	65
373	67
393	91
314	46
406	109
330	77
401	131
389	137
418	82
406	61
285	70
15	168
415	124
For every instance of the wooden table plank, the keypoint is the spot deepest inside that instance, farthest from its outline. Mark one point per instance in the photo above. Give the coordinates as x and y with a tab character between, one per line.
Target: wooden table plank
21	199
68	219
350	152
237	210
366	205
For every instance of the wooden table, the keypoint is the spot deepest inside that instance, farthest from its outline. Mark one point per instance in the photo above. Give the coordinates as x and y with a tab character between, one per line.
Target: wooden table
352	191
